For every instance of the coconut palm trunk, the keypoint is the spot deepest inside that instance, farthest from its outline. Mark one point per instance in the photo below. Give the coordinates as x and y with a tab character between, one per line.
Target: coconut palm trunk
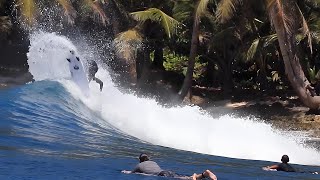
278	13
187	83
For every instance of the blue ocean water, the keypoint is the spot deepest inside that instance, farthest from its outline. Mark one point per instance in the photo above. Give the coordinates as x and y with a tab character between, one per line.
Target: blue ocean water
50	130
47	134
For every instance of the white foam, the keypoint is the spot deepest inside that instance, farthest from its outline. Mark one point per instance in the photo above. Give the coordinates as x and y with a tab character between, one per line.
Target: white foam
47	59
186	128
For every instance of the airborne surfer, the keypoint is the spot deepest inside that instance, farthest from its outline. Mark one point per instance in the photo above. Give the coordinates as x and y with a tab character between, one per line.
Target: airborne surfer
93	69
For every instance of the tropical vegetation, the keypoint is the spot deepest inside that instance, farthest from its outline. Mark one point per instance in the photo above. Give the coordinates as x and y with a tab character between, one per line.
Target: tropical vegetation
262	45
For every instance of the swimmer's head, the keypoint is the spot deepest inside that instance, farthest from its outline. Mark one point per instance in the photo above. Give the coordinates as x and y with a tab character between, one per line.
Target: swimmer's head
143	157
285	159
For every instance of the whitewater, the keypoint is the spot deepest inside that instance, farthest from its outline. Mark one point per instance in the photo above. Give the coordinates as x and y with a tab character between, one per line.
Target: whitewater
186	128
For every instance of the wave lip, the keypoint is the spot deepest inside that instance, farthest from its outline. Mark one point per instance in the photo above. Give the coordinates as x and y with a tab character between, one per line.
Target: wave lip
186	128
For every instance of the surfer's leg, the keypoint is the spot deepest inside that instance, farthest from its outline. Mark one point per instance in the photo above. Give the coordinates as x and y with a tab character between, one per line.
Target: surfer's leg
99	82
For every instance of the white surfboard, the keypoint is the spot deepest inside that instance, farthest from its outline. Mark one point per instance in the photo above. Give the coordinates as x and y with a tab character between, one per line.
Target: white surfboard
78	74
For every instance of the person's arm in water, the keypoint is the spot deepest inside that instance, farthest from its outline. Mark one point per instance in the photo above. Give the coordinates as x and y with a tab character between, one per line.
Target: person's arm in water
136	169
206	174
275	167
126	172
99	82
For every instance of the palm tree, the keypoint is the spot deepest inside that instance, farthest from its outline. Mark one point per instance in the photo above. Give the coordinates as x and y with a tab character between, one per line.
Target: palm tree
287	19
259	50
28	10
200	9
281	13
132	43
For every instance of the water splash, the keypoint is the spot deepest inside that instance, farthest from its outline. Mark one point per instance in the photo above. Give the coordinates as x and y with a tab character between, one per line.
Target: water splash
47	56
186	128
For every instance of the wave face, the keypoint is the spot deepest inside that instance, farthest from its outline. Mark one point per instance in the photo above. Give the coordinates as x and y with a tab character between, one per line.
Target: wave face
184	128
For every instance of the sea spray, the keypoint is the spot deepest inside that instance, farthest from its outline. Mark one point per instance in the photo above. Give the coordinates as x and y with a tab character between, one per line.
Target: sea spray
186	128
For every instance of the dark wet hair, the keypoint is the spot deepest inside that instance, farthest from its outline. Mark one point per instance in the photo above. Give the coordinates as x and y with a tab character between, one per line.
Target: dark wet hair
285	159
143	157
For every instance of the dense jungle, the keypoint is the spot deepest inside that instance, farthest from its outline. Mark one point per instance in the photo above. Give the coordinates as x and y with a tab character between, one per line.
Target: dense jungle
257	56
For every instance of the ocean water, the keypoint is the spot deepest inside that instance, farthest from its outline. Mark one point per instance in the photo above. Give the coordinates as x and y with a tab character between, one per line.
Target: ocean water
50	129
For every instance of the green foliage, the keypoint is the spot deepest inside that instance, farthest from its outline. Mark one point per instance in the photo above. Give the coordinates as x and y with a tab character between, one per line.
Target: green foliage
260	45
182	10
169	24
314	75
178	63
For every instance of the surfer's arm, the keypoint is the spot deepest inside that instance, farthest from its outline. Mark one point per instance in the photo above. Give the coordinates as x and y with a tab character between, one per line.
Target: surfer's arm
126	172
99	82
271	167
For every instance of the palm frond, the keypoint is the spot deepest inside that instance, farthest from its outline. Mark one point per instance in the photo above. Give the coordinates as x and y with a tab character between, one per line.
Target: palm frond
225	9
280	16
27	8
169	24
252	51
127	43
305	29
259	45
270	39
182	10
69	11
97	9
201	9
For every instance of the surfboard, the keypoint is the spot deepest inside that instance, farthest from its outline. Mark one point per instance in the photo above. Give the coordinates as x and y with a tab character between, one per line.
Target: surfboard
78	75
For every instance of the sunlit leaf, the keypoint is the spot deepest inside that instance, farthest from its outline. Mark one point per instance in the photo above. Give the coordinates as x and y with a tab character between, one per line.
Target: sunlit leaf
253	49
275	76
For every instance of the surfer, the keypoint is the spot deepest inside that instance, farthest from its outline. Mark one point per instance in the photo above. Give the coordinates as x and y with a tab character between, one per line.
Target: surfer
149	167
93	69
284	166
